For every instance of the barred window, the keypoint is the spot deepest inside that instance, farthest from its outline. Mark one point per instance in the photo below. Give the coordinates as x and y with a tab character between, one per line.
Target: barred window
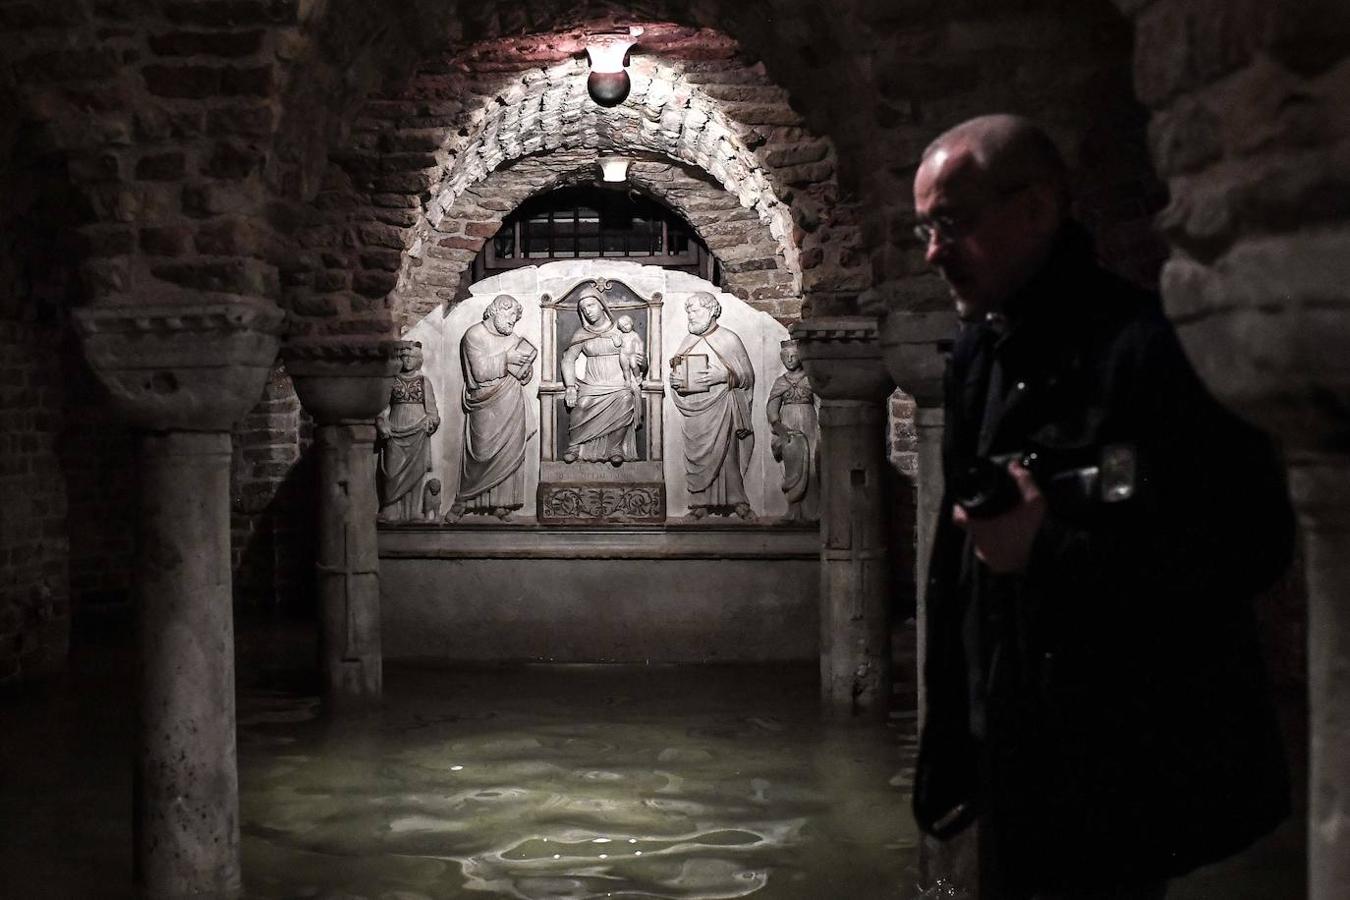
585	222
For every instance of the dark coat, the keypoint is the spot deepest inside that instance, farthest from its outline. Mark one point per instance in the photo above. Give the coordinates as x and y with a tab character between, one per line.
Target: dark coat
1106	712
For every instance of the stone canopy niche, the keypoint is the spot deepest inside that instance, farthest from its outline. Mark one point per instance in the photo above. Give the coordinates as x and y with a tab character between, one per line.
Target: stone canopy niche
609	554
610	355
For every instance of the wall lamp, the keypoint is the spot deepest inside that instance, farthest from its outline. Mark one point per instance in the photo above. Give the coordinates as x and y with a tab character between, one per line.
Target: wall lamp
613	169
608	82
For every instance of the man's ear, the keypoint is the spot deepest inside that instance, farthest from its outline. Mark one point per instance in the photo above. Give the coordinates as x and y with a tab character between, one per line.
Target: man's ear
1044	209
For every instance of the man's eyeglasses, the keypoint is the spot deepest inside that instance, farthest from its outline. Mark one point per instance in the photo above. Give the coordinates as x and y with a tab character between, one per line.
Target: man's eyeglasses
948	228
945	228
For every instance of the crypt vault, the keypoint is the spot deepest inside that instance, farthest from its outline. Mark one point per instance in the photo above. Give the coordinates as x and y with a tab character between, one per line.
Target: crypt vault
181	171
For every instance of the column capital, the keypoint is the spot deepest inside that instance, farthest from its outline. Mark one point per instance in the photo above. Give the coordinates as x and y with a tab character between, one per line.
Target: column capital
182	367
842	357
343	381
912	345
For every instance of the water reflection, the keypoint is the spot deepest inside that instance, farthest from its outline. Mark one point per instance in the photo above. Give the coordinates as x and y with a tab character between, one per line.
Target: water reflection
574	783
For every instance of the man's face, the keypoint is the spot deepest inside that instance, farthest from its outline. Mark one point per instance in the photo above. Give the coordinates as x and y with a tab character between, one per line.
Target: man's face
700	317
986	241
504	320
789	357
412	360
591	310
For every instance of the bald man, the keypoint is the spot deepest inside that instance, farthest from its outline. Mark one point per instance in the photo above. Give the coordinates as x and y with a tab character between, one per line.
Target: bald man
1095	697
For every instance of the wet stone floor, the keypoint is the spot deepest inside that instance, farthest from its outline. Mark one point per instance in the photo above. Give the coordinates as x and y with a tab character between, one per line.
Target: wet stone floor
542	782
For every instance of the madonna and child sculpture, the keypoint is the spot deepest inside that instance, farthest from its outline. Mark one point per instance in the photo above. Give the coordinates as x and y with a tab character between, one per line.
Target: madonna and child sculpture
405	428
497	364
605	401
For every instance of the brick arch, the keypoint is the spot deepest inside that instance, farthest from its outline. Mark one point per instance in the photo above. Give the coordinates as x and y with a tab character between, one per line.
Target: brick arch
756	270
413	152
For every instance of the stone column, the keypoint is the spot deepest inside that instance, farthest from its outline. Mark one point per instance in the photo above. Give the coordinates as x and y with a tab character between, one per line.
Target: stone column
1321	491
183	375
842	358
344	386
1259	287
913	344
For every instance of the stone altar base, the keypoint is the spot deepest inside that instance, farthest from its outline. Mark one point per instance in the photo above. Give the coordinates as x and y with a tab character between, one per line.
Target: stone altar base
670	593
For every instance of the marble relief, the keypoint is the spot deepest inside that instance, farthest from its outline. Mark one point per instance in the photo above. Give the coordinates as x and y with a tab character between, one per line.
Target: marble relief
405	428
791	412
646	411
496	364
713	381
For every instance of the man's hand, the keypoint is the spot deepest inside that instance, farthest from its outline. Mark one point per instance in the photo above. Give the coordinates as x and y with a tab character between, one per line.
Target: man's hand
570	396
1003	543
519	355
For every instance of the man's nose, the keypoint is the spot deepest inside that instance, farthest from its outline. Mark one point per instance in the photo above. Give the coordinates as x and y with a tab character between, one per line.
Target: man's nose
936	249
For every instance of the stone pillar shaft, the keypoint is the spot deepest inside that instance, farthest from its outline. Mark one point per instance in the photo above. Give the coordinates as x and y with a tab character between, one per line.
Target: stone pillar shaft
182	374
187	812
928	424
344	385
1320	487
842	359
855	653
348	563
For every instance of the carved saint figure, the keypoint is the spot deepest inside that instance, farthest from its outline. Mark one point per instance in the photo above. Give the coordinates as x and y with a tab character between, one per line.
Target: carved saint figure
604	407
497	363
791	412
714	384
405	428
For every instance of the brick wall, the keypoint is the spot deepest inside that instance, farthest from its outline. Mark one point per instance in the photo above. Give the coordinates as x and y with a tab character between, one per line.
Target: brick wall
272	502
34	584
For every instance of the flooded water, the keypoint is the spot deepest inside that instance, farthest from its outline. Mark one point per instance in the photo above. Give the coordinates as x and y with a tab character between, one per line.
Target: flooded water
574	782
526	782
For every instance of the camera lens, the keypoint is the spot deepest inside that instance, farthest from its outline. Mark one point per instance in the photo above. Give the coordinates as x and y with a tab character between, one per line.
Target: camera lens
985	489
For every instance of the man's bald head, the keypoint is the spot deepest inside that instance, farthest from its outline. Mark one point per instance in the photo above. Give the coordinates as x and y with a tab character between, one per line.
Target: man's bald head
1005	152
990	199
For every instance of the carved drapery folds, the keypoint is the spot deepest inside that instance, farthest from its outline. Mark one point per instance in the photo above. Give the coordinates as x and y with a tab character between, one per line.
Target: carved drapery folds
600	405
795	422
613	415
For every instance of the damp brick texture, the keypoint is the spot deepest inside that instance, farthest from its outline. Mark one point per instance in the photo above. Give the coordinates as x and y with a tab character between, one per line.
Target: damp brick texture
271	501
34	544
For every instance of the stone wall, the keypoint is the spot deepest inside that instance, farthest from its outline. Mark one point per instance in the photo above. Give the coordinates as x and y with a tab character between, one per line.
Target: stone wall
348	159
99	462
272	502
1249	129
34	544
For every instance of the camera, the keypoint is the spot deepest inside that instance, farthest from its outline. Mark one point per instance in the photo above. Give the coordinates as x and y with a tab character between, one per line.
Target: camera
1069	479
